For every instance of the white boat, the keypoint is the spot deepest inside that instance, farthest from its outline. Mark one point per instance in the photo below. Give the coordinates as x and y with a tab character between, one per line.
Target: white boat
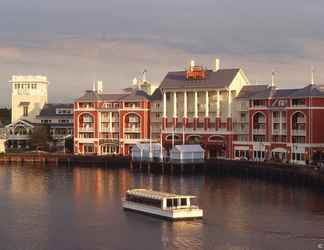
167	205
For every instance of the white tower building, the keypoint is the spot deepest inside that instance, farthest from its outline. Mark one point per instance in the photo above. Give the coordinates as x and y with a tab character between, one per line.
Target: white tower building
28	96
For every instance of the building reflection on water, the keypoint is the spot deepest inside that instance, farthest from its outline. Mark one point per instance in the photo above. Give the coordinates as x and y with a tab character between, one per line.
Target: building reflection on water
82	208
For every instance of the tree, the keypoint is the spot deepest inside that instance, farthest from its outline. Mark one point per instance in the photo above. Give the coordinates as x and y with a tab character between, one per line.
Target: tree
40	138
69	144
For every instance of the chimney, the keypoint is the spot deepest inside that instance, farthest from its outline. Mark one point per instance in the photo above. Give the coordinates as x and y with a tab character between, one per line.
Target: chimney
217	65
313	76
192	64
273	78
99	87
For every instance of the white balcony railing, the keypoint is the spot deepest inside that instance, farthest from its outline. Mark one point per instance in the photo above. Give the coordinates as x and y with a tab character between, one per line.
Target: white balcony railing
279	132
276	119
86	129
298	132
132	130
259	131
109	130
87	119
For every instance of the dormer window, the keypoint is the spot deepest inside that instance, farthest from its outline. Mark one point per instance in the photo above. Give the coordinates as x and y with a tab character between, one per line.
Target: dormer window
298	102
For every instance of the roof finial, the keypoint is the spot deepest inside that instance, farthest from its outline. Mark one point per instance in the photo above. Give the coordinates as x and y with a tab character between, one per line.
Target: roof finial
273	73
313	76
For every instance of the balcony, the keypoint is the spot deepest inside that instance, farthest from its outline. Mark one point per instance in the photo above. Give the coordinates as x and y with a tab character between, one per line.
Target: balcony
279	132
259	131
133	120
241	130
132	130
109	130
87	119
298	132
86	129
244	107
276	119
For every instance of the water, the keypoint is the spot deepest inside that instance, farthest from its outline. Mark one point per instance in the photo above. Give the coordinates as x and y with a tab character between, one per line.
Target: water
80	209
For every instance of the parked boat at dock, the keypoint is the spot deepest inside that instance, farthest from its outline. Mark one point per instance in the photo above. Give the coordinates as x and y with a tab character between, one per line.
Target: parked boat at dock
166	205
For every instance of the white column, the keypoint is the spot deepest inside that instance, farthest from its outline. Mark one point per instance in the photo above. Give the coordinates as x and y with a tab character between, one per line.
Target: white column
207	105
196	104
218	104
229	103
174	104
164	105
185	111
110	122
99	121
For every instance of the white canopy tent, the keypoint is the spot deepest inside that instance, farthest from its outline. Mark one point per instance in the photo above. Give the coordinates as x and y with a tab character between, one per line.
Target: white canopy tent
141	151
190	152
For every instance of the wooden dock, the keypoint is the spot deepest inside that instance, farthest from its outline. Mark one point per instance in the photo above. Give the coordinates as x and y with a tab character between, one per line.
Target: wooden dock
305	175
64	159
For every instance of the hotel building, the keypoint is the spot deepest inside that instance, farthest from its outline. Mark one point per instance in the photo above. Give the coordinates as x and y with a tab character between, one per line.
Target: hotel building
199	106
110	123
283	124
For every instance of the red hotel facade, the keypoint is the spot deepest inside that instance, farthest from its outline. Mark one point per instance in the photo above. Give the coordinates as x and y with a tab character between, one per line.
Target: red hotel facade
110	123
217	108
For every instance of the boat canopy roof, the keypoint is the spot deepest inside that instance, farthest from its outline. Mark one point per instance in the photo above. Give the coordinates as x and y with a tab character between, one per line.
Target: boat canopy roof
156	195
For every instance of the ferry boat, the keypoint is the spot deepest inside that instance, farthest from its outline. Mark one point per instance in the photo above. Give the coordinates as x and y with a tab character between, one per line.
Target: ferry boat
167	205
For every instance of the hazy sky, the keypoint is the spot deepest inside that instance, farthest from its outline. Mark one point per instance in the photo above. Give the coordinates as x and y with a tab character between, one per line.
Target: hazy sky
74	42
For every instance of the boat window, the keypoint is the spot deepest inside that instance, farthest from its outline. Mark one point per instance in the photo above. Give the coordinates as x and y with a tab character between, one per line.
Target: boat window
169	203
144	200
175	202
183	202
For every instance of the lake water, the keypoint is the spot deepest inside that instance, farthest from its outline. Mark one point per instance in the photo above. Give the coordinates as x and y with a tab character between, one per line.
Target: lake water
63	208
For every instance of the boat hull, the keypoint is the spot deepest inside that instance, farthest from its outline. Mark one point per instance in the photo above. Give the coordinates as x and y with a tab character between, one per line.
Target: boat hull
171	214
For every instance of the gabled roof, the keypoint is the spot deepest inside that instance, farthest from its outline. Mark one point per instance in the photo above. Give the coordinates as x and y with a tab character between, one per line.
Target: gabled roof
49	109
157	95
215	79
248	91
188	148
146	146
311	90
131	95
265	92
21	122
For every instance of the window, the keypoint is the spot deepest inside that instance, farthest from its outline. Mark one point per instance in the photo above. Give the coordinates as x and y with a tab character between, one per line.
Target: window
298	102
183	202
25	111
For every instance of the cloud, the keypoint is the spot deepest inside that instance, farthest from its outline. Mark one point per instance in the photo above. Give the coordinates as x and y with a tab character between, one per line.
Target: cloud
77	41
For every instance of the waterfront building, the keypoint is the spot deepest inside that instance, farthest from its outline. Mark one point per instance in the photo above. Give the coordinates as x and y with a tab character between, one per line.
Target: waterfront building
198	107
28	96
283	124
30	108
58	117
106	124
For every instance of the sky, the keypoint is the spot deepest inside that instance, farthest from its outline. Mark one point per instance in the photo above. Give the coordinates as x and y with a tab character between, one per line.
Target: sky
75	42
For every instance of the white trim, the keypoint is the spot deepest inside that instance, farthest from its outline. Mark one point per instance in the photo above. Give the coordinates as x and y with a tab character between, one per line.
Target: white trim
245	148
